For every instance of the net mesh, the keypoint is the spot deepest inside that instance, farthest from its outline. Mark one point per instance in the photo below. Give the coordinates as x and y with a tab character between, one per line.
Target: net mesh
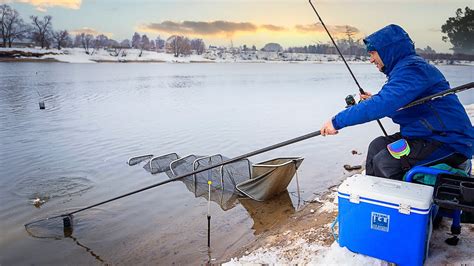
160	164
139	159
259	182
49	228
223	178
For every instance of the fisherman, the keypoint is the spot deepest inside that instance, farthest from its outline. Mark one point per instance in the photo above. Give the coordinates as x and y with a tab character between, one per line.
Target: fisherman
430	133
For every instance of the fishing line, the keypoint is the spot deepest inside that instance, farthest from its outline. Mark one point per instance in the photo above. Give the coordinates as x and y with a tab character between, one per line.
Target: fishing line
348	101
41	102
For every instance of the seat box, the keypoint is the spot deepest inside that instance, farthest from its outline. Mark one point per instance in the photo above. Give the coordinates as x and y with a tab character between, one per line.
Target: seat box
385	219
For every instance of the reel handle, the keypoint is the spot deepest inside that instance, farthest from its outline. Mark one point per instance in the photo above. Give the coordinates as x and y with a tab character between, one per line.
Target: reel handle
350	100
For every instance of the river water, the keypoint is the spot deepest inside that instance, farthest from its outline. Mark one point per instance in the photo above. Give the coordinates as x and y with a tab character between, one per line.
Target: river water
74	153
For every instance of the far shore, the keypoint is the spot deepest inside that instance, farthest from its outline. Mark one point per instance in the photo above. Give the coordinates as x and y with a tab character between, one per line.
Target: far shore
28	60
78	55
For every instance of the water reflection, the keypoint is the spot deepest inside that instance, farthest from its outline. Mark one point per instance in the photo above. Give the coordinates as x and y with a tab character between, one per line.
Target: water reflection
181	81
67	234
269	213
264	214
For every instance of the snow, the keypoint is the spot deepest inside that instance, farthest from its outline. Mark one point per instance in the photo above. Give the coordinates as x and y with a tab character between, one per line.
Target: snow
305	253
329	206
217	55
132	55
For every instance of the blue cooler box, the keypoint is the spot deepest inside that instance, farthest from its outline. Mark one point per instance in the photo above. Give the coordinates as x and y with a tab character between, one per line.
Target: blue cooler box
385	219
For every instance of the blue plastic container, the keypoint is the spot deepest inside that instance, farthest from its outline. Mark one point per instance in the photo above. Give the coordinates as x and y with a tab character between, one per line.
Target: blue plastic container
385	219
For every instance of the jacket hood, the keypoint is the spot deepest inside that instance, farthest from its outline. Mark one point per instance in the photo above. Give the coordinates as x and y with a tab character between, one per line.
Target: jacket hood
392	43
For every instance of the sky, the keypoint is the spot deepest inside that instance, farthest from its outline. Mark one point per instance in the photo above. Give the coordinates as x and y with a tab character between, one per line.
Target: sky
238	22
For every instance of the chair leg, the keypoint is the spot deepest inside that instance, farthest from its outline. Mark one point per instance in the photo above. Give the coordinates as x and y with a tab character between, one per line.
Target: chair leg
456	226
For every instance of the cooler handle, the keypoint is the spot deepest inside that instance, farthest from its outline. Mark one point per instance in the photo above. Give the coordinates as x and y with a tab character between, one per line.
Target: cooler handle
391	184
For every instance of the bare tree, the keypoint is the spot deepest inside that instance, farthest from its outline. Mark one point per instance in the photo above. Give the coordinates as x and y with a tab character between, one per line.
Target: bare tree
61	38
12	26
42	30
350	31
112	43
198	46
125	43
144	44
178	45
159	43
77	41
86	41
136	40
100	41
152	45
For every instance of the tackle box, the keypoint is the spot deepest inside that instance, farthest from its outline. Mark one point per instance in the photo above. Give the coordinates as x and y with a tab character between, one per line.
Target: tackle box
449	193
385	219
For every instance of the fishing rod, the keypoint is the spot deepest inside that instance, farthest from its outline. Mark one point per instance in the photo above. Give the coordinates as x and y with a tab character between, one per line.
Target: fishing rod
439	95
67	217
349	99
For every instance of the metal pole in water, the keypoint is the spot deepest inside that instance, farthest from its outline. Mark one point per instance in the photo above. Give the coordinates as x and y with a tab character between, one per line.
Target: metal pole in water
209	215
41	103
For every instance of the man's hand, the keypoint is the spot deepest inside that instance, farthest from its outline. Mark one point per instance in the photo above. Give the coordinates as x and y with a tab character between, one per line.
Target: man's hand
328	129
365	96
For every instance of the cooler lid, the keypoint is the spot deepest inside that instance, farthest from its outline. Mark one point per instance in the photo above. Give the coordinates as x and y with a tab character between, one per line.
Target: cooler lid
387	190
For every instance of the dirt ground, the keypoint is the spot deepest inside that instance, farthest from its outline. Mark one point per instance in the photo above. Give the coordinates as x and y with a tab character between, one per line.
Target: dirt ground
309	223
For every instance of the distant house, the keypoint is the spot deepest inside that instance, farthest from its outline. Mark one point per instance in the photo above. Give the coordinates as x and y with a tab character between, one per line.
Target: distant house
272	47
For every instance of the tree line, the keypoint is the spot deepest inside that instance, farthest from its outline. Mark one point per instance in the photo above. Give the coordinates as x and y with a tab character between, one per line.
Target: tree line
39	30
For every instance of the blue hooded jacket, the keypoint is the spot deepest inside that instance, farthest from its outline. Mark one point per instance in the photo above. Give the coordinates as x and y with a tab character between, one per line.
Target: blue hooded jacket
410	78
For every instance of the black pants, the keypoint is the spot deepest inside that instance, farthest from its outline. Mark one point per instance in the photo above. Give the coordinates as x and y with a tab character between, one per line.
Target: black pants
381	163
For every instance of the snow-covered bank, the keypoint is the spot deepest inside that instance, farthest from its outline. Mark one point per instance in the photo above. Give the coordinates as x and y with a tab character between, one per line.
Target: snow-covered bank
78	55
307	240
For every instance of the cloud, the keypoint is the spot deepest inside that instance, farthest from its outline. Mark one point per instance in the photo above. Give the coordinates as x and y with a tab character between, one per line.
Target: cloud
202	28
272	27
91	31
333	29
42	5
